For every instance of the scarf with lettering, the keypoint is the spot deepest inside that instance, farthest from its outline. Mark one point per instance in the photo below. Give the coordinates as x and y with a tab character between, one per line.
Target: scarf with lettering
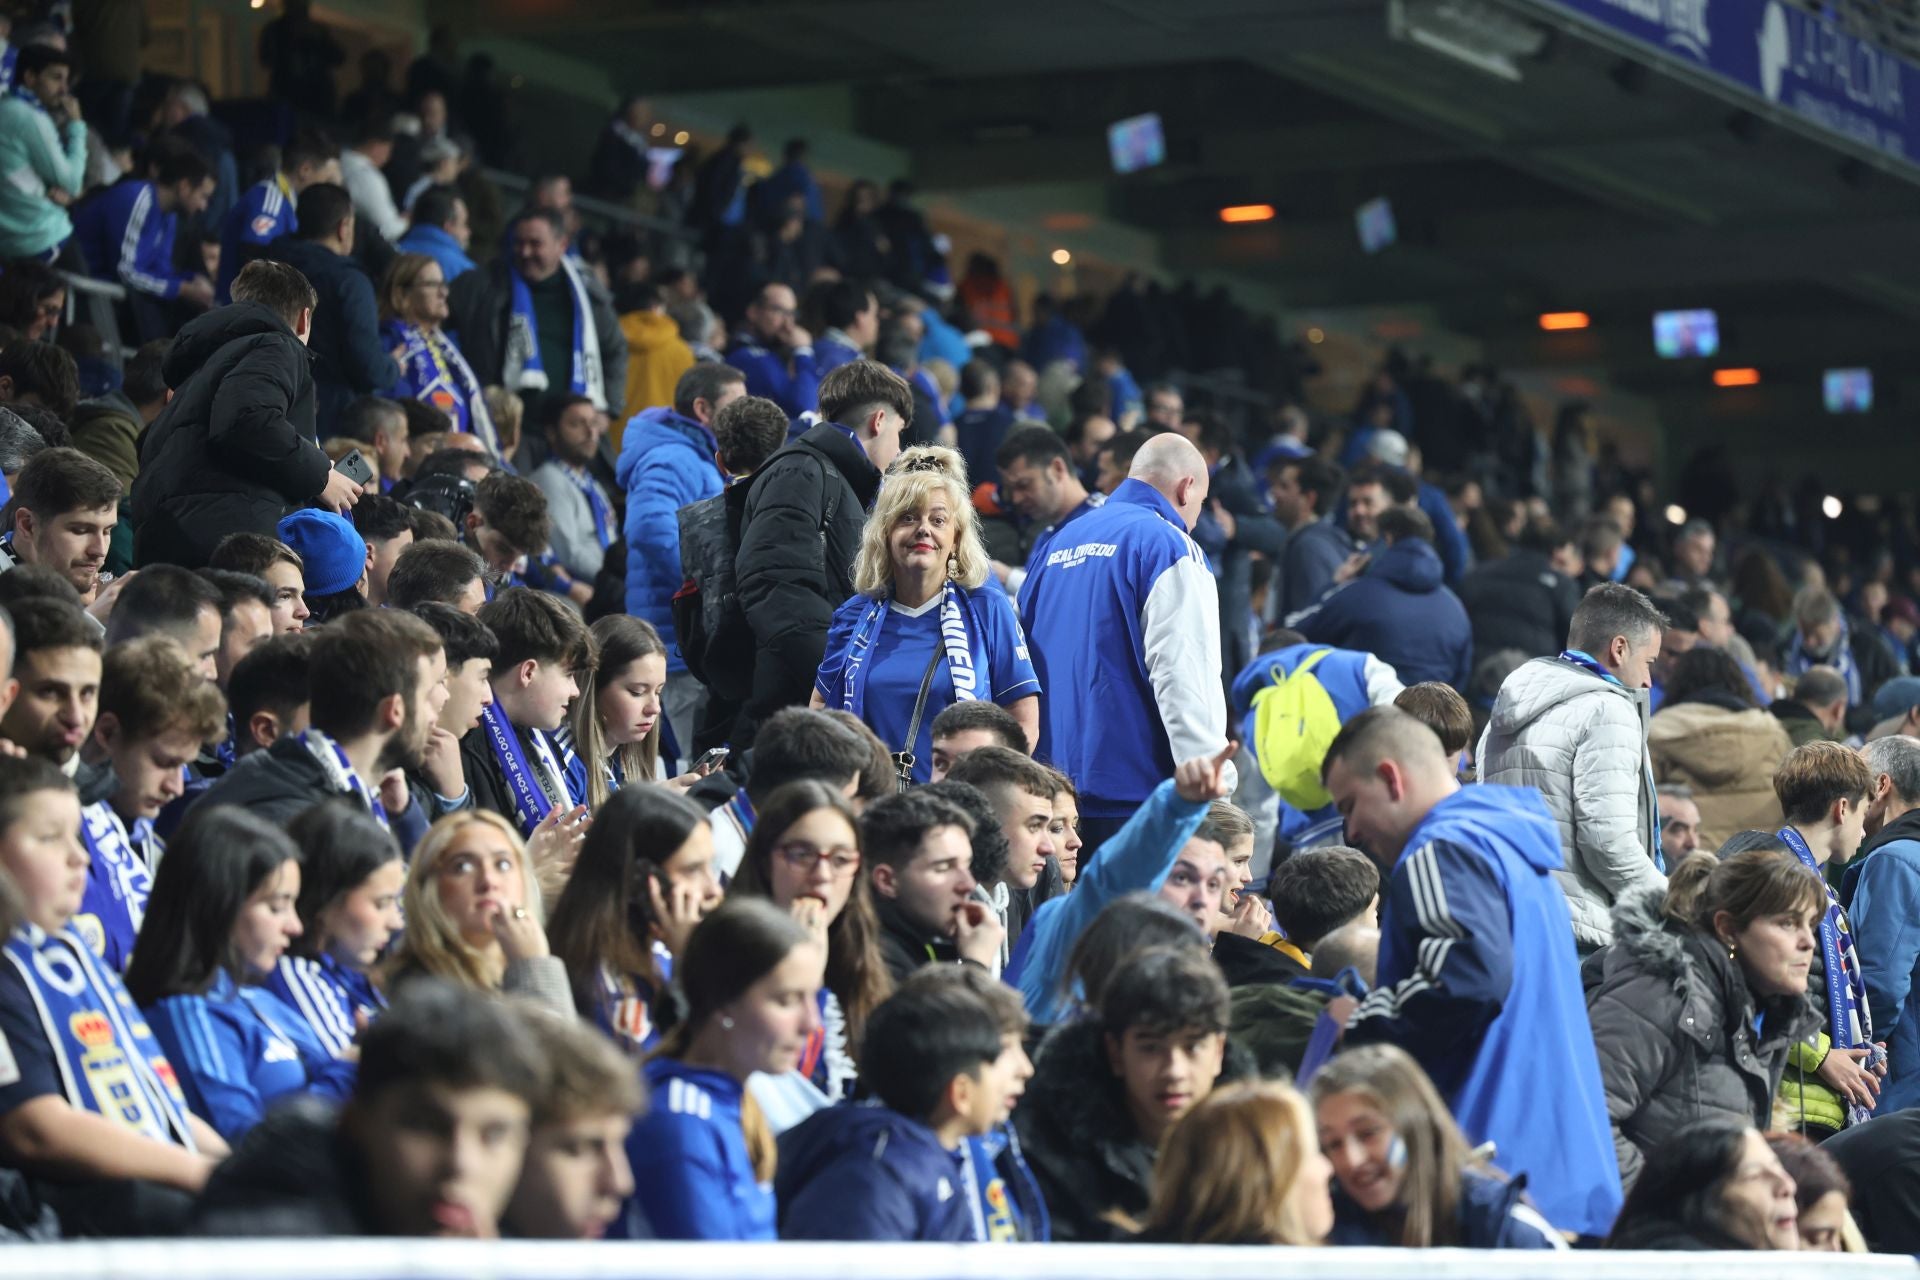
536	782
340	773
1849	1021
119	881
960	633
523	369
433	370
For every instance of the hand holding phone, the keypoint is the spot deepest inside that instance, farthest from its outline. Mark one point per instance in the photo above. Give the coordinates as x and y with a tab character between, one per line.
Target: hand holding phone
354	466
711	761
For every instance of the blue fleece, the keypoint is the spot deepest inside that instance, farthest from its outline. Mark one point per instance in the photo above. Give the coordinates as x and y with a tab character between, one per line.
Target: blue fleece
1136	859
1479	981
1448	537
795	390
666	461
128	240
441	247
1399	611
1885	914
693	1178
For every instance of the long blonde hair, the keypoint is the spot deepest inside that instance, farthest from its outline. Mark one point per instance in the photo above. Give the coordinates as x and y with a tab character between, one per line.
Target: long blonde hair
1227	1170
914	479
622	641
432	942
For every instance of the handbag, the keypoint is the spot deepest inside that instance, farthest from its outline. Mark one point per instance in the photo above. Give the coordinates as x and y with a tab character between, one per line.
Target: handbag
903	758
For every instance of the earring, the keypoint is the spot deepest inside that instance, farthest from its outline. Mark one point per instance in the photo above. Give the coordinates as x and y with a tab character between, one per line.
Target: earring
726	1023
1732	951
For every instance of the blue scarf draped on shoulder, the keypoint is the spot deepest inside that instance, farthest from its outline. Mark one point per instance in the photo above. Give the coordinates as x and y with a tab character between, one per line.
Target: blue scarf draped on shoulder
1849	1021
524	370
1799	660
433	370
960	633
536	780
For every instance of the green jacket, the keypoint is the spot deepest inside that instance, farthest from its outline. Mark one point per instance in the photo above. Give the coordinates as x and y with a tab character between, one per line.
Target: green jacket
34	157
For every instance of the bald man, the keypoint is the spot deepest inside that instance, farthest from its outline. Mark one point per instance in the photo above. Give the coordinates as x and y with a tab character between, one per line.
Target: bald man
1124	623
1478	977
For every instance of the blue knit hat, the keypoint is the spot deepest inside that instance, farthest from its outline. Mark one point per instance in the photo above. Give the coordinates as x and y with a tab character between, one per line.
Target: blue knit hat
335	555
1896	697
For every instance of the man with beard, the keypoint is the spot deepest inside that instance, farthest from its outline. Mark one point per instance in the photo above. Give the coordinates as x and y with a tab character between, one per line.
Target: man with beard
64	508
583	521
377	684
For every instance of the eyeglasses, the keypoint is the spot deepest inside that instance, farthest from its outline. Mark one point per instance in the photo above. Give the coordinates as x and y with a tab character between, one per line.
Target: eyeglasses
804	857
464	866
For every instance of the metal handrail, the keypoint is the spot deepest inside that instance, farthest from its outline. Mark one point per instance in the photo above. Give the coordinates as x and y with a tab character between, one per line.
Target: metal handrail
103	298
519	184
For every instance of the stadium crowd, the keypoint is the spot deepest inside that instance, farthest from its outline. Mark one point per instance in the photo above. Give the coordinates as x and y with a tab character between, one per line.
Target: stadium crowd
481	754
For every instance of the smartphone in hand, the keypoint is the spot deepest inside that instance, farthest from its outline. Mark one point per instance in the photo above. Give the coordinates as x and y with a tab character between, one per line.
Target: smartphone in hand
355	468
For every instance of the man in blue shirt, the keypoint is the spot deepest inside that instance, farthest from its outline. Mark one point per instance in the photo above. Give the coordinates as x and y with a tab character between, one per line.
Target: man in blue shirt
982	422
776	354
126	234
265	211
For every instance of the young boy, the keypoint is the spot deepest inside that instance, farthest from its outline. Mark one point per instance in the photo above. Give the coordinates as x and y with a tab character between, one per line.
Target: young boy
156	712
440	783
1441	708
944	1058
89	1108
1022	796
576	1177
511	764
968	726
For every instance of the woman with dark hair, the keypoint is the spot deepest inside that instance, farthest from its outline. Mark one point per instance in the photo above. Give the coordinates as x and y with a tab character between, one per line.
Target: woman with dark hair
1822	1194
643	880
1709	736
351	877
1710	1184
804	857
703	1158
1703	995
220	917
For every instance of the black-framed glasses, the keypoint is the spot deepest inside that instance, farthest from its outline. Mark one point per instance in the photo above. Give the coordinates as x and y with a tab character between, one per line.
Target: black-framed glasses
802	856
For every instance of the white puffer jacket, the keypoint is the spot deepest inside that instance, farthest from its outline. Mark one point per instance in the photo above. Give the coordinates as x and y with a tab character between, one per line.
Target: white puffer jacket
1582	741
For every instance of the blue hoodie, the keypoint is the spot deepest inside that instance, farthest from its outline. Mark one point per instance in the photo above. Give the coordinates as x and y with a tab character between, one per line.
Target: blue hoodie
437	243
1480	982
1400	611
666	461
1882	897
693	1177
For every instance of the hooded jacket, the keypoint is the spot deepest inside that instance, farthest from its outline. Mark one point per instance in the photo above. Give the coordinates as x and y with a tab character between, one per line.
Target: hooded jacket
285	780
905	947
1582	742
1085	1152
234	449
1313	553
349	358
1519	602
1673	1021
1479	981
1885	912
1401	611
656	357
1492	1213
666	462
1726	751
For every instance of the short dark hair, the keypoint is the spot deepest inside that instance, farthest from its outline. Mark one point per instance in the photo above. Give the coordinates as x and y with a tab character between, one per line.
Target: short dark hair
999	772
462	635
550	408
978	378
892	828
1701	670
799	743
162	599
991	848
939	1024
1405	524
1035	446
276	286
1441	708
44	370
179	162
706	380
1123	448
858	387
1165	990
58	481
143	380
977	713
748	432
1598	536
434	206
253	553
236	588
322	208
516	509
308	146
447	460
1613	609
435	1032
20	777
532	624
276	676
432	571
378	518
44	622
1318	890
36	58
1399	484
424	419
555	223
36	582
364	415
1820	687
842	302
1209	431
359	661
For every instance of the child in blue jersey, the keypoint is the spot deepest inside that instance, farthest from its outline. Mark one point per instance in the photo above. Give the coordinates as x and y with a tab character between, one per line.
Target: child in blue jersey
703	1158
89	1104
643	880
944	1058
351	876
221	916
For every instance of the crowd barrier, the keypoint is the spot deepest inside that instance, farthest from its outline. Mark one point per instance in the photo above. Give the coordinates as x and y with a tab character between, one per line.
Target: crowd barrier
540	1260
94	302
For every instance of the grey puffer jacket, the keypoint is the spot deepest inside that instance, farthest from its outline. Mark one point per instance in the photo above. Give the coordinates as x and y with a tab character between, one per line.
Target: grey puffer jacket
1673	1022
1582	741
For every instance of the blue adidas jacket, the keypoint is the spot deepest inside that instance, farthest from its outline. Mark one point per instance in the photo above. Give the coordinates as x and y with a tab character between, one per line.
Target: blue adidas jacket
666	461
862	1172
796	392
329	998
1135	859
1400	611
1480	982
128	240
438	245
263	213
238	1050
1124	624
693	1178
1884	909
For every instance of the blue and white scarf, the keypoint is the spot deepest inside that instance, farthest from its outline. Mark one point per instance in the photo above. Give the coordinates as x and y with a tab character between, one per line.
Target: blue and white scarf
534	785
571	766
1799	660
109	1062
1849	1021
119	882
967	662
523	369
340	773
433	370
603	531
1587	662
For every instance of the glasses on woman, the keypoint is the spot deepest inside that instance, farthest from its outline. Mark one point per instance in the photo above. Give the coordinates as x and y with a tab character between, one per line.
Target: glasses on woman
804	857
464	866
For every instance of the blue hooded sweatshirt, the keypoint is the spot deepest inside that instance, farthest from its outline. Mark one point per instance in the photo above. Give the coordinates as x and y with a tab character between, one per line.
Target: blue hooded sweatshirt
1480	982
1400	611
666	461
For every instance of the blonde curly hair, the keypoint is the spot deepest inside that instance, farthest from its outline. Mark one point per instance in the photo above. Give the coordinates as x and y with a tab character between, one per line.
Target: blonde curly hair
916	477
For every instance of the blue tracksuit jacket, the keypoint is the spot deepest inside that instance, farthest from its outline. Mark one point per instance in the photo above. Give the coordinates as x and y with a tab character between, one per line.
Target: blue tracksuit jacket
128	240
263	213
328	996
693	1178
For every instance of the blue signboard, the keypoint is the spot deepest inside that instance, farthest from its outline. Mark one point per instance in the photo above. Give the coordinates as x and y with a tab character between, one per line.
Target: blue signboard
1795	60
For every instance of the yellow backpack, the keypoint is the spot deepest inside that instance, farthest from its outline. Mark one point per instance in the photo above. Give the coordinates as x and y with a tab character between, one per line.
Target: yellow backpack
1294	722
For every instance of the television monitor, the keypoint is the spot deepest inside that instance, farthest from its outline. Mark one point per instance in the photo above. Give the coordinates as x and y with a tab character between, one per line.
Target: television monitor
1137	143
1686	333
1374	221
1849	390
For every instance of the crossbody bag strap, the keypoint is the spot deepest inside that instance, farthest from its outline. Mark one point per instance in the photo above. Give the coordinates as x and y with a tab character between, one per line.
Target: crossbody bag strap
903	758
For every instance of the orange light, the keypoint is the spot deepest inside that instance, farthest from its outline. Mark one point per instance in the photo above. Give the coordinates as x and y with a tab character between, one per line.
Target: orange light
1736	377
1247	213
1556	321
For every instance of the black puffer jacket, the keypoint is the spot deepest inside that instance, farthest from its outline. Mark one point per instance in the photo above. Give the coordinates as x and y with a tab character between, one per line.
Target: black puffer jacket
1519	602
1079	1139
799	535
1673	1025
292	1175
234	449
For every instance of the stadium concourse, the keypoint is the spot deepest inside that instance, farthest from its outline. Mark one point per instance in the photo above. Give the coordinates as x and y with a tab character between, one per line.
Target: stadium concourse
1186	631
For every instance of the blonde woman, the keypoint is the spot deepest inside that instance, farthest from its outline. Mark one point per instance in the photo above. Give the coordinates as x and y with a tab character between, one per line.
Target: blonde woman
926	617
474	914
1242	1167
413	307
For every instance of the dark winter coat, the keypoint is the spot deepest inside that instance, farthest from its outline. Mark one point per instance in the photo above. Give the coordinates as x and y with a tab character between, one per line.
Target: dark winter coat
285	781
234	449
349	359
1519	602
1402	613
904	947
1492	1214
1079	1138
1673	1022
481	305
292	1175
